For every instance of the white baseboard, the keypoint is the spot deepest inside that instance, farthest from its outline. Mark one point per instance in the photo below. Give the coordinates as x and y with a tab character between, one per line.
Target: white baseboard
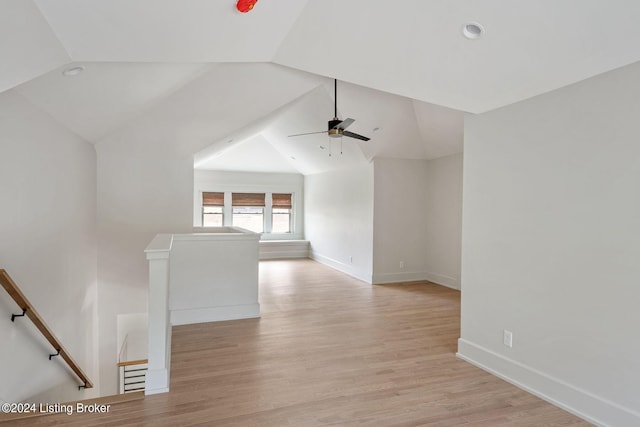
405	276
284	255
441	279
340	266
214	314
586	405
412	276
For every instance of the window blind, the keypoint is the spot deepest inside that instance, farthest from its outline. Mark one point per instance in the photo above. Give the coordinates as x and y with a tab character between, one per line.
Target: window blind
247	199
281	201
212	199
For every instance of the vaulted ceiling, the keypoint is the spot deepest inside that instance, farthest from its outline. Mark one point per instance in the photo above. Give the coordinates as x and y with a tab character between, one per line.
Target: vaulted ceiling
404	68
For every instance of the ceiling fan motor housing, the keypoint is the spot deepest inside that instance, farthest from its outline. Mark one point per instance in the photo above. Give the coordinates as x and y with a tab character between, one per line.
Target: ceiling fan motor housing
334	130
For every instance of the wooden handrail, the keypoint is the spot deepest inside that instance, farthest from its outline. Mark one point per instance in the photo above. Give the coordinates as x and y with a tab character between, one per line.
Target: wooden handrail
134	362
14	292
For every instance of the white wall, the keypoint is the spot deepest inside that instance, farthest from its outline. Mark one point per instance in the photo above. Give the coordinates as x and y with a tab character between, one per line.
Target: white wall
339	219
400	228
444	220
417	220
48	246
133	336
209	180
550	245
145	186
213	277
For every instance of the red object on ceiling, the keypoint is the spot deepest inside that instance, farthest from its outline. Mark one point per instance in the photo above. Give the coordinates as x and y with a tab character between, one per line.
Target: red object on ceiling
245	6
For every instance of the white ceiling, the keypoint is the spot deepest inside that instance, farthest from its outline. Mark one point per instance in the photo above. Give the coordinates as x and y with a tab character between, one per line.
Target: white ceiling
28	45
106	95
164	66
170	30
255	154
415	48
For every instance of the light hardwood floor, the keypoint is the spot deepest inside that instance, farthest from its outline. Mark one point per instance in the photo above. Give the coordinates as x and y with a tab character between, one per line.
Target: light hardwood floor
329	350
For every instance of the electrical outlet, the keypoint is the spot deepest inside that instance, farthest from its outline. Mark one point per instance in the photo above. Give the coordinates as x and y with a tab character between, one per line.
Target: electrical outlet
507	338
401	264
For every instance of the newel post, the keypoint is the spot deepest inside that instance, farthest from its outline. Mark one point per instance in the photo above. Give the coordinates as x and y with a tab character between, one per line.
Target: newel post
158	252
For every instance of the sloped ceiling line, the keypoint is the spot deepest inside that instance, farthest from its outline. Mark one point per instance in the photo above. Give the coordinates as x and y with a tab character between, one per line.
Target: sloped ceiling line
29	46
403	60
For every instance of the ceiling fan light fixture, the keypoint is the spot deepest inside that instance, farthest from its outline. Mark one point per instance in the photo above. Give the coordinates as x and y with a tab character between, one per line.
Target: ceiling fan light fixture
335	133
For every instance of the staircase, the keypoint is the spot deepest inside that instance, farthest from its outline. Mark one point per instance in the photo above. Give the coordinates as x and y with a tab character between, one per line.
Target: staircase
132	376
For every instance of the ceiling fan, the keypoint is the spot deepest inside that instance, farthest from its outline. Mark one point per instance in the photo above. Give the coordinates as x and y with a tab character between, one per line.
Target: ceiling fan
336	127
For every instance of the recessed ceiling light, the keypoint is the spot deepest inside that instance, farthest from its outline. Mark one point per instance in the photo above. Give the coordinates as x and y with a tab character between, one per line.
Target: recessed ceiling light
472	30
73	71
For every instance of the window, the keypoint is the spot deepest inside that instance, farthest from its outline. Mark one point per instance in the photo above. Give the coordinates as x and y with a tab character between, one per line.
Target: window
281	213
212	209
248	211
270	213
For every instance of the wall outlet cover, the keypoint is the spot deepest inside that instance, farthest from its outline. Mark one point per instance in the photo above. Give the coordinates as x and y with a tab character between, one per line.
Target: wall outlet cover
507	338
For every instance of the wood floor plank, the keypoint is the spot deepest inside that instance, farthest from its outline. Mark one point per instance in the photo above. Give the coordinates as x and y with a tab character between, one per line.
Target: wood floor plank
330	350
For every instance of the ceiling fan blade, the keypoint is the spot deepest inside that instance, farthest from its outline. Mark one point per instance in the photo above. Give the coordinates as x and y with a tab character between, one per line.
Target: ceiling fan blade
355	135
308	133
345	123
334	124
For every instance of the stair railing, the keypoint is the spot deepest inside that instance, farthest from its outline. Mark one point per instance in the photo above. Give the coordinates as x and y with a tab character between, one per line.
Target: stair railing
132	375
27	310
